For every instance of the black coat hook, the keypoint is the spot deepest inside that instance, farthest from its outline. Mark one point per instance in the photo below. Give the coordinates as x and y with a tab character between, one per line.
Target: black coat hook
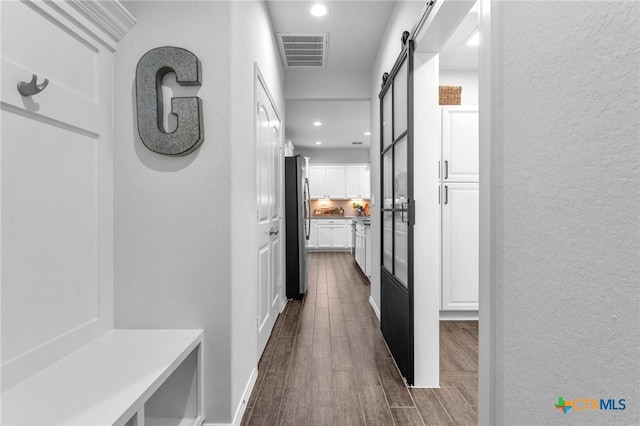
31	88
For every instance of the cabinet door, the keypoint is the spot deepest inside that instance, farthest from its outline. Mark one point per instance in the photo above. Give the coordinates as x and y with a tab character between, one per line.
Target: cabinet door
357	184
317	184
367	251
334	179
364	180
351	183
460	240
324	235
460	144
338	236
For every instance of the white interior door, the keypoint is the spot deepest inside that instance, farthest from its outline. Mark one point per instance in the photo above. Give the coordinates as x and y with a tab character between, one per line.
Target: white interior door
269	183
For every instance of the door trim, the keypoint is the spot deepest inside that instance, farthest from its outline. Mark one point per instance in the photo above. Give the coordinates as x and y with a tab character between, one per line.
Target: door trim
487	305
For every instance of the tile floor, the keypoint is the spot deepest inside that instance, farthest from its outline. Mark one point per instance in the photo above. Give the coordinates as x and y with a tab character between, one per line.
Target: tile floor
326	362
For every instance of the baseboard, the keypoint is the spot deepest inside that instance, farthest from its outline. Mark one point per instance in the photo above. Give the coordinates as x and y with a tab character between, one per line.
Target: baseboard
375	307
284	304
242	407
459	315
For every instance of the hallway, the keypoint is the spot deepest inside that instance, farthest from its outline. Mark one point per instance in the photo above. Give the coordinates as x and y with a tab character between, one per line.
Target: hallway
326	362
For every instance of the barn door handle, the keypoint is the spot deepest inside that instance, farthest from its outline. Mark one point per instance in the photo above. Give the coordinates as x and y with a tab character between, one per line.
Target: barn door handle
32	88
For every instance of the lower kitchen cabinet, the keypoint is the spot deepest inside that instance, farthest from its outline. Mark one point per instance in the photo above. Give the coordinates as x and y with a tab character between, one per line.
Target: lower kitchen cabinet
363	248
332	234
460	247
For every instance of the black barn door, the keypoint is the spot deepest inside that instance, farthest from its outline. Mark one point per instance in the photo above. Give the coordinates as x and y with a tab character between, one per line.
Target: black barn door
397	212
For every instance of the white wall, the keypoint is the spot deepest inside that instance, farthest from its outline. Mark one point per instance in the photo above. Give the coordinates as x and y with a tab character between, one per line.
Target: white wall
56	233
327	156
565	183
258	46
326	85
185	226
468	79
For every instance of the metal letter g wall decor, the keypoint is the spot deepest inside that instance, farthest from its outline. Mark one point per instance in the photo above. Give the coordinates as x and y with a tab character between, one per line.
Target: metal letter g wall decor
154	65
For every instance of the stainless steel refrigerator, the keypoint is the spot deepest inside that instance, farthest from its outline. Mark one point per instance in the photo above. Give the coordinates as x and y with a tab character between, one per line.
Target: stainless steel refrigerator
297	217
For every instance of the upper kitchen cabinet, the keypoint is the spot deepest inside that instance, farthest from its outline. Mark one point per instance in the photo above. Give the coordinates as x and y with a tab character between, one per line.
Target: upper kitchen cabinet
326	181
340	181
357	181
335	182
460	145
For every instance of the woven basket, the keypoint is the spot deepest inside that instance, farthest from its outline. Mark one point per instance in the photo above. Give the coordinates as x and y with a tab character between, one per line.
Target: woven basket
450	95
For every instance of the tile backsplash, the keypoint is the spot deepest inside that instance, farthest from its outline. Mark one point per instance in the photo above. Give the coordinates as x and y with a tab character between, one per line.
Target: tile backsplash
319	207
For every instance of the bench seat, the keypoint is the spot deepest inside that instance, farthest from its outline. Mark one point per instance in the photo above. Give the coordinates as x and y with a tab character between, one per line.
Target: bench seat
106	382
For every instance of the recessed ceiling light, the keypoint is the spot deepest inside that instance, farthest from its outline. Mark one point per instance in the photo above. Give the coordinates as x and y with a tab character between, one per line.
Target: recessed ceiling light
318	143
473	39
319	10
367	133
317	123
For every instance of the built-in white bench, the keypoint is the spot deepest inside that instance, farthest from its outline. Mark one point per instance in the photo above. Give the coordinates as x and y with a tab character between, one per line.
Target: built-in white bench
124	377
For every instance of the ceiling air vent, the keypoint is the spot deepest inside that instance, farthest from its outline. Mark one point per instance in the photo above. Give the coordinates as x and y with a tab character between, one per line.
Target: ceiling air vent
356	143
303	50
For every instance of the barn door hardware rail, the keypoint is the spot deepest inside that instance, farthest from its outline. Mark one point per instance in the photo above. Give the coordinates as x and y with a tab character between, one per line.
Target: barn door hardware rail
32	88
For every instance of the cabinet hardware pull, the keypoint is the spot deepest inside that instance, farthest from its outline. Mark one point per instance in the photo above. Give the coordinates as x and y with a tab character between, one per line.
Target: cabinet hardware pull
446	169
273	231
446	194
32	88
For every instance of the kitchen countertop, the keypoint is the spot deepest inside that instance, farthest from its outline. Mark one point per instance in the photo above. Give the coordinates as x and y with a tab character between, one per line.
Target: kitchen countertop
365	220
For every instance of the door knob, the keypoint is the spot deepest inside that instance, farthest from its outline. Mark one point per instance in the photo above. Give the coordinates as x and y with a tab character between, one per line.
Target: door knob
274	231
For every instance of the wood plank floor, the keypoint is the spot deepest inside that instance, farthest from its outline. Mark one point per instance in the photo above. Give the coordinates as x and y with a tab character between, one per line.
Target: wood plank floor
327	363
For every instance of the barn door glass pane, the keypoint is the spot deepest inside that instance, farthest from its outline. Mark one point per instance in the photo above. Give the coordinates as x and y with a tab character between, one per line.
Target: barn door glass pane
387	136
400	101
400	173
387	240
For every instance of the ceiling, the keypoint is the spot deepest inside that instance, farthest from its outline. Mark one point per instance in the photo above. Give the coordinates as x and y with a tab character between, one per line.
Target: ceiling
355	30
455	54
343	122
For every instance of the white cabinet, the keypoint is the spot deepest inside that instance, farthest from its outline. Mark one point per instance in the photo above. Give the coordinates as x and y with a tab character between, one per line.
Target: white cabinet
340	181
460	210
460	145
363	248
333	234
334	179
460	246
326	181
357	181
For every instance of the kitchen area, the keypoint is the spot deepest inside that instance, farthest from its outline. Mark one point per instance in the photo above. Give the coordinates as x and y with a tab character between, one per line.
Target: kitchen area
340	209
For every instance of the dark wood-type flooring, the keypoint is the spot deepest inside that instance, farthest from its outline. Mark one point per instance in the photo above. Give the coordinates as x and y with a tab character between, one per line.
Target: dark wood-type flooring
327	363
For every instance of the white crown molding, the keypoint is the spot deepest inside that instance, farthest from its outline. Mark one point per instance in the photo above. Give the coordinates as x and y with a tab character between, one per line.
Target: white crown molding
108	15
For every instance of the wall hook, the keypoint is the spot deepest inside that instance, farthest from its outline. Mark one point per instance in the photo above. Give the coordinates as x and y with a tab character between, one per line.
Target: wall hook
31	88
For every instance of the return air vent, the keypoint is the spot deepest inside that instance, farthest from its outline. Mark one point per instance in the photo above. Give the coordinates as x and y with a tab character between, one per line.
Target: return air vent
356	143
303	50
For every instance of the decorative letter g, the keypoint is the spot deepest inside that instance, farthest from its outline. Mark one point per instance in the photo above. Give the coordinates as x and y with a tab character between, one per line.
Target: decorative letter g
151	68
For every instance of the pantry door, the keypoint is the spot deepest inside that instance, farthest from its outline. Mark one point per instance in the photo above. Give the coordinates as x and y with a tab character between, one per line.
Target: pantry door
268	131
397	212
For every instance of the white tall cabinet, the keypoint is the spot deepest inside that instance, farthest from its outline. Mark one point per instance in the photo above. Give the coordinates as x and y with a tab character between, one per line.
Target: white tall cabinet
459	171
